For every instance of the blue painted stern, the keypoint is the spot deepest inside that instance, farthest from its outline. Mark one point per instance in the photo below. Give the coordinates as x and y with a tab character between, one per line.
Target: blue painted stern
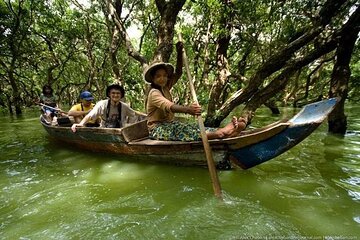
301	126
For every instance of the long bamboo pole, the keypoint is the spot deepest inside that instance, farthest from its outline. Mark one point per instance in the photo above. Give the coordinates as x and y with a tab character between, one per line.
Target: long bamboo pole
56	109
209	157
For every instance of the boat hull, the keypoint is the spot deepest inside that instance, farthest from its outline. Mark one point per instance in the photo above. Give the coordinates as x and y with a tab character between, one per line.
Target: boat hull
251	148
261	152
189	154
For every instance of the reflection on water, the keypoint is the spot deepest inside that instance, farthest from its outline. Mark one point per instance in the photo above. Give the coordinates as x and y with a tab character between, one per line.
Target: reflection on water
49	191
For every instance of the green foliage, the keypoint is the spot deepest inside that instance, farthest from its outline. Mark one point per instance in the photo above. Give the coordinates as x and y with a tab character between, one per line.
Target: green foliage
59	43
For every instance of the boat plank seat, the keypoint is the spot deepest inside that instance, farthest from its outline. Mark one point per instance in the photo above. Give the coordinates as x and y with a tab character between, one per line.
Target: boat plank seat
135	131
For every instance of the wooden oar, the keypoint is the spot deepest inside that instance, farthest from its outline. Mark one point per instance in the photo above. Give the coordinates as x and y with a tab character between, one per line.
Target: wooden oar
209	157
56	109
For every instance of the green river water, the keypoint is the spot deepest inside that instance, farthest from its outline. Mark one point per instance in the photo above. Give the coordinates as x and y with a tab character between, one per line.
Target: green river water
50	191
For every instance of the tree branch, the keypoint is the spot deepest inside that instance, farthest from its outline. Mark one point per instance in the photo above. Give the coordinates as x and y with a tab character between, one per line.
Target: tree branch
119	24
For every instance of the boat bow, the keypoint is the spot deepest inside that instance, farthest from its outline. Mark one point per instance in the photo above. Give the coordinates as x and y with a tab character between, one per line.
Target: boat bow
300	127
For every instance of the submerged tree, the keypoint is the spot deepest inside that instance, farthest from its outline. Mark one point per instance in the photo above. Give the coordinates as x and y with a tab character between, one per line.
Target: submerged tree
341	73
15	39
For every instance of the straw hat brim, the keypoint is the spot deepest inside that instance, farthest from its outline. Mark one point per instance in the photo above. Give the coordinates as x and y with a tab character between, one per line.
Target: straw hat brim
150	68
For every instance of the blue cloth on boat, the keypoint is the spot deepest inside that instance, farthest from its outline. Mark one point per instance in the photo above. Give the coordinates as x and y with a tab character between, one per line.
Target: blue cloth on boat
48	111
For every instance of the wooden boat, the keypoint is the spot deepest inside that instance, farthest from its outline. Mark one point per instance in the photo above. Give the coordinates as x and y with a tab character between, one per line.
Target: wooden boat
250	148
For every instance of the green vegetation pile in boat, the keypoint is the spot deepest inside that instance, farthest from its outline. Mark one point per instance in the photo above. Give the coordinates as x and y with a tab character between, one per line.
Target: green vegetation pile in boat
250	148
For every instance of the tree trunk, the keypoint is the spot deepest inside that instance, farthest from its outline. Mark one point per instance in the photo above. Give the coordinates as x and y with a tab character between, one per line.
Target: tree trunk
339	80
110	9
206	67
169	11
114	45
222	65
9	104
114	36
15	92
90	54
311	79
15	46
271	104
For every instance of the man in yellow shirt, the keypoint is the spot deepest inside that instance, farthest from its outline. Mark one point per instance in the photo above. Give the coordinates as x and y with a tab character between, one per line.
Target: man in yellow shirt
80	110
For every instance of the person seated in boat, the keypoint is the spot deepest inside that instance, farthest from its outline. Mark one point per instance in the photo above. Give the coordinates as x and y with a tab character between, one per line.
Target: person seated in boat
160	109
49	104
78	111
112	112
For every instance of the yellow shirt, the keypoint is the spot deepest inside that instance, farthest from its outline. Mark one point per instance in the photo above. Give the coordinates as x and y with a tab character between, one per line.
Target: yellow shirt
78	107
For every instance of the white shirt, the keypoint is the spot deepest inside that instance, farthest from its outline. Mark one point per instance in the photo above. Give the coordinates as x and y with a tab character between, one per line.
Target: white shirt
127	114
